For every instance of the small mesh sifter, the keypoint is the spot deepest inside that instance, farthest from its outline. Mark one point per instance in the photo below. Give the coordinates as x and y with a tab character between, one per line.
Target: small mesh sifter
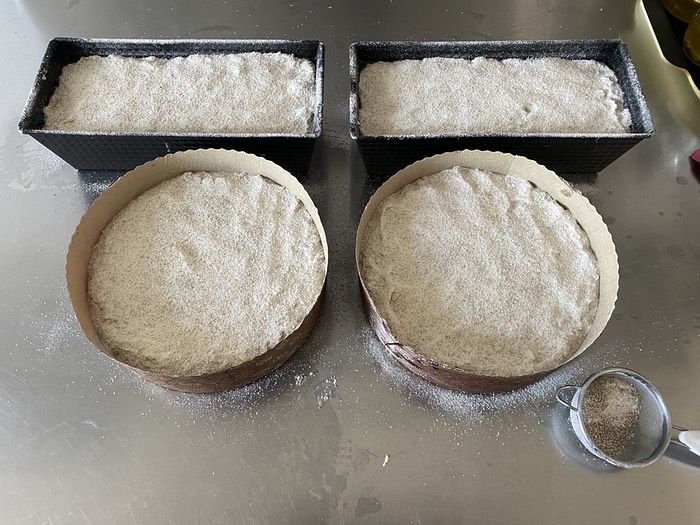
646	437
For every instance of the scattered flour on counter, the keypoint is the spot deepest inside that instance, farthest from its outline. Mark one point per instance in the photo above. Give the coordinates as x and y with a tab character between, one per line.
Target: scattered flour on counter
29	183
23	183
94	189
235	93
469	409
59	328
327	390
452	95
245	401
34	168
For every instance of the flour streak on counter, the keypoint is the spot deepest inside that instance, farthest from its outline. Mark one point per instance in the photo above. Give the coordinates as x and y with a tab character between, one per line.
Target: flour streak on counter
327	390
472	409
36	169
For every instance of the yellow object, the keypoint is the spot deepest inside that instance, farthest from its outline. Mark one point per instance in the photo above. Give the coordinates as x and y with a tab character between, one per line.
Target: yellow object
691	40
683	10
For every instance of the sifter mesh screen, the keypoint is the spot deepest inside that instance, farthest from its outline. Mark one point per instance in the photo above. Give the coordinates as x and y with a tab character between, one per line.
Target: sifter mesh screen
649	435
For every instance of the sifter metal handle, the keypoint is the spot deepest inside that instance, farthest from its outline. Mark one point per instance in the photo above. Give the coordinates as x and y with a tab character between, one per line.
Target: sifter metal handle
563	390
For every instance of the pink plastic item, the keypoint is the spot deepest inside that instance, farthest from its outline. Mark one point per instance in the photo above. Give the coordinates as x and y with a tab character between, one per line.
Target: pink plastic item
695	163
695	157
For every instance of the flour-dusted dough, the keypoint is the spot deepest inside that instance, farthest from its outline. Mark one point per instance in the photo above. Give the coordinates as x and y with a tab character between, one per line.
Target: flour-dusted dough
235	93
204	272
484	95
481	272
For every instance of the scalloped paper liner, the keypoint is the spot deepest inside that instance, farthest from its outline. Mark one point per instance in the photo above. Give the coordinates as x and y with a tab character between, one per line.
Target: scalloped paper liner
506	164
145	177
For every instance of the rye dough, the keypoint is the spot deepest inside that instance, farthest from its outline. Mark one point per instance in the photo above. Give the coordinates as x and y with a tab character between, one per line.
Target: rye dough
481	272
484	95
204	272
235	93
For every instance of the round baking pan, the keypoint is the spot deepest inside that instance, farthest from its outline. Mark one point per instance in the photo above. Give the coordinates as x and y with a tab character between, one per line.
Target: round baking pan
143	178
544	179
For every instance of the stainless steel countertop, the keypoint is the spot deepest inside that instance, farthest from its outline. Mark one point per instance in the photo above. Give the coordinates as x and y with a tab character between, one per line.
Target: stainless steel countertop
341	433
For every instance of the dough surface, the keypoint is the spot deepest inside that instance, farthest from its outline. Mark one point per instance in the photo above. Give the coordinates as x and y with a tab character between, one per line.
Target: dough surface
439	95
235	93
481	272
204	272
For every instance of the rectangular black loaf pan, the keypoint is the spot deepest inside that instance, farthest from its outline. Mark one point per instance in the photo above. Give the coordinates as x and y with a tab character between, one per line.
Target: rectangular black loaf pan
562	153
91	150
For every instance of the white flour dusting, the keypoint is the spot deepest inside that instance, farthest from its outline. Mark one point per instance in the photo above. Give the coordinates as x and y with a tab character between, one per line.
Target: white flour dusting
451	95
204	272
327	390
244	401
94	189
35	168
470	409
60	328
482	272
236	93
